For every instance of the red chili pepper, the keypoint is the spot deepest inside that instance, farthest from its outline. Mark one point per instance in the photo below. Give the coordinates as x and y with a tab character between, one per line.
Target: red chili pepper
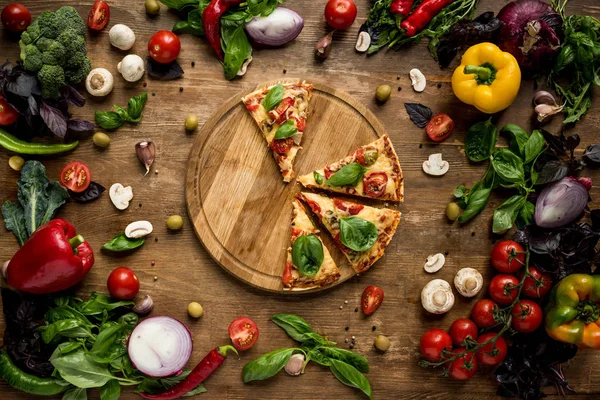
211	17
53	259
422	15
401	7
203	370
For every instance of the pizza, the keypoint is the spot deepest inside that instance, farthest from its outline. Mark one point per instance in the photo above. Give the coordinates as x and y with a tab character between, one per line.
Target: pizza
280	112
372	171
361	232
309	263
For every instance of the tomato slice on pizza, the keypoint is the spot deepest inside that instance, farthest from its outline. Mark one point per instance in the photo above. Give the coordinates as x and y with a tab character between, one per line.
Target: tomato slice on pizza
361	232
280	112
372	171
309	263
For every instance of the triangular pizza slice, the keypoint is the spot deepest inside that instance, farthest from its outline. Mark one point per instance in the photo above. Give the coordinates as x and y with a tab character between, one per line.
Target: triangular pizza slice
280	112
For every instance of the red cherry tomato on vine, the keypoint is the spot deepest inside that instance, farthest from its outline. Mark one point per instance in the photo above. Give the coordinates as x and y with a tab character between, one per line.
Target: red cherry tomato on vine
99	16
164	47
8	115
440	127
464	367
123	284
16	17
493	353
502	251
538	284
371	299
483	313
526	316
340	14
243	333
75	176
504	289
433	343
461	329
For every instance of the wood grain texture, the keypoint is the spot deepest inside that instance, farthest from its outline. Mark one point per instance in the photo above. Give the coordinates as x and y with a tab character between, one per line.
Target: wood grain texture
185	270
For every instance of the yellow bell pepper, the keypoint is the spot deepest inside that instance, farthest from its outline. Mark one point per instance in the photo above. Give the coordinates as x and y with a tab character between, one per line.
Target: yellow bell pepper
487	78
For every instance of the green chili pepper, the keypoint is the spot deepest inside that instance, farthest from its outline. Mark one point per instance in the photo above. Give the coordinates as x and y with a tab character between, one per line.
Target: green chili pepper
28	383
11	143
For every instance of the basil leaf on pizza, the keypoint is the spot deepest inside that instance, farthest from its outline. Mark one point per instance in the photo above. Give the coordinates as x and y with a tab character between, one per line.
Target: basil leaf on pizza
274	97
286	130
358	234
318	177
307	254
348	175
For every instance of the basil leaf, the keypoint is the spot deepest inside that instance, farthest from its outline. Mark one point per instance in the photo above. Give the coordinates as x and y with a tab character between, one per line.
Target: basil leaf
481	140
517	138
293	325
525	216
122	243
286	130
186	27
78	370
419	114
179	4
534	146
91	193
358	234
508	166
478	198
552	171
110	391
506	214
274	97
154	385
54	119
99	303
135	106
307	254
592	153
163	72
350	376
318	178
348	175
75	393
267	365
318	357
69	328
109	120
237	50
356	360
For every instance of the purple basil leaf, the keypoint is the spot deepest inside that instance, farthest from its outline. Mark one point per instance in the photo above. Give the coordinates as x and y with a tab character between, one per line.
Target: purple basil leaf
72	96
33	107
419	114
91	193
54	120
80	126
592	154
163	72
24	85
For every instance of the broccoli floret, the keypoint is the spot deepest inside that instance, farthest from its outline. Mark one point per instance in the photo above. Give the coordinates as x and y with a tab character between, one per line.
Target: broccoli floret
54	54
75	76
52	78
74	44
31	57
69	19
50	26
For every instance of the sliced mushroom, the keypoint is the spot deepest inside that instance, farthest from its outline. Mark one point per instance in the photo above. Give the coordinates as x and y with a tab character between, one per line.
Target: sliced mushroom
468	282
120	195
435	165
244	67
437	297
418	80
138	229
363	42
434	263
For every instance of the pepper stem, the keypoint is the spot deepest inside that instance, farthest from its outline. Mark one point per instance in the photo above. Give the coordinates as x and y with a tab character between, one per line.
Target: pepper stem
76	241
588	311
483	73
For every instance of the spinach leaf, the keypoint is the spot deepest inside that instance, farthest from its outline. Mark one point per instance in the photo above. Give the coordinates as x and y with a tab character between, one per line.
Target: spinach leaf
350	376
110	391
517	138
419	114
286	130
75	393
307	254
478	198
348	175
122	243
267	365
481	140
508	166
506	214
349	357
14	220
358	234
273	97
534	146
318	178
294	326
237	50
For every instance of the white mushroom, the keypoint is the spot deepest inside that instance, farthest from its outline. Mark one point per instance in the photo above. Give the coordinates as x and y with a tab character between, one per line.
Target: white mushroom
131	67
418	80
138	229
244	67
435	165
121	36
468	282
363	42
434	263
120	195
437	297
99	82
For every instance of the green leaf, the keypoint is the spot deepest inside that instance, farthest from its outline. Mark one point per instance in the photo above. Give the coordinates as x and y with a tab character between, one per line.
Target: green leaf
348	175
534	146
267	365
286	130
154	385
32	194
57	196
318	357
75	393
110	391
508	166
109	344
196	391
356	360
481	140
350	376
179	4
78	370
135	106
70	328
477	200
273	97
237	50
122	243
526	215
108	120
14	220
294	326
307	254
318	178
98	303
506	214
517	138
358	234
185	27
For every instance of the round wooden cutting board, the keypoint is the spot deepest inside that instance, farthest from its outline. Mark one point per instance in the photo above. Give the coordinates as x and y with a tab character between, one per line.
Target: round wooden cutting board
237	201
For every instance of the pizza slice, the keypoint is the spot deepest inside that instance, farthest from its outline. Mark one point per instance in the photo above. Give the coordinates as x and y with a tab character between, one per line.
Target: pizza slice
372	171
361	232
280	112
309	263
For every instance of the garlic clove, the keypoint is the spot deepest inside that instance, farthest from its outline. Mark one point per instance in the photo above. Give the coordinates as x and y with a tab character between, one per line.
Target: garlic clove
544	97
138	229
435	166
323	46
144	306
146	152
434	263
120	195
546	111
363	42
418	80
295	365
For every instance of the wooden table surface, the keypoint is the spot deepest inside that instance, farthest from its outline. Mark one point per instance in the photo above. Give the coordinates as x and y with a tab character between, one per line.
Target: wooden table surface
186	272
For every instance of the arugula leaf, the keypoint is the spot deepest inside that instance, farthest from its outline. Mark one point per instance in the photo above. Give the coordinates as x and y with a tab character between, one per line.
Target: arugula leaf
350	376
273	97
267	365
348	175
358	234
307	254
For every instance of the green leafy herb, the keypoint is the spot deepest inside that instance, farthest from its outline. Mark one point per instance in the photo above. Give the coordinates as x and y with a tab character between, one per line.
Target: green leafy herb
122	243
517	138
75	393
99	304
318	178
298	329
506	214
358	234
349	357
348	175
111	120
478	199
273	97
135	106
481	140
508	166
534	146
350	376
267	365
179	4
237	50
526	213
286	130
110	391
307	254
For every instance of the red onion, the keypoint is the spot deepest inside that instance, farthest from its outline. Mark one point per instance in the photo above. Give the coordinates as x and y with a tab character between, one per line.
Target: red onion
560	203
280	27
530	32
160	346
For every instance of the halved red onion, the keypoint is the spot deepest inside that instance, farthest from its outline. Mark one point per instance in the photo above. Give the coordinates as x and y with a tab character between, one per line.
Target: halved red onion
160	346
280	27
560	203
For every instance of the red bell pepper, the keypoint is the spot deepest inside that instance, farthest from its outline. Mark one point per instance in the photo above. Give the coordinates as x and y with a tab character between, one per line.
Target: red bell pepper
53	259
211	18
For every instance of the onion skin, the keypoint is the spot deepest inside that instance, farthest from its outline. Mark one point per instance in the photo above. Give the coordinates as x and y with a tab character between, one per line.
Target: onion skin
279	28
560	203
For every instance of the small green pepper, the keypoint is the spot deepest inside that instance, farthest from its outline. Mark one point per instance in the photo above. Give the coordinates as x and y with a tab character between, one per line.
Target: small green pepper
19	146
28	383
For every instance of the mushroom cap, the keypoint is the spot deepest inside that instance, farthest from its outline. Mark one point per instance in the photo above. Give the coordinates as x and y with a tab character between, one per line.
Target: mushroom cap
437	297
468	282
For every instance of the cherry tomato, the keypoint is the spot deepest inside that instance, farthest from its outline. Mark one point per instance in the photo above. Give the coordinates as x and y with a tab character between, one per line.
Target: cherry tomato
504	289
16	17
440	127
526	316
123	284
300	124
75	176
164	47
282	146
99	16
243	333
375	183
433	343
492	353
464	367
538	284
483	313
350	208
505	250
8	115
461	329
371	299
340	14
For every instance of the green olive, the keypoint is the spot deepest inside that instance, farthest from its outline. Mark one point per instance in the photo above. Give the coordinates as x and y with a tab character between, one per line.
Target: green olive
382	343
101	139
452	211
152	7
191	122
370	157
16	162
383	93
195	310
175	222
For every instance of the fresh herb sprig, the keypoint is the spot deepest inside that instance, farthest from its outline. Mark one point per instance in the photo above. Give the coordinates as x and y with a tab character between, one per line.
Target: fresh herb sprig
111	120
